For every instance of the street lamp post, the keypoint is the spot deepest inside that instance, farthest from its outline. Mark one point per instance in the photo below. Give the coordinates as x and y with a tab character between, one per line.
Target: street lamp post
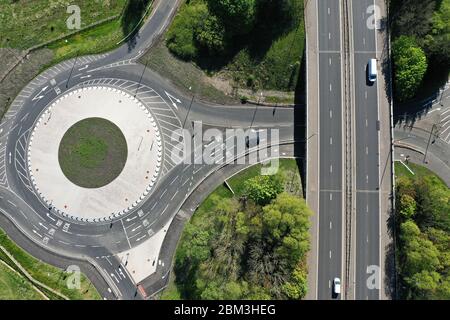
140	79
428	144
71	70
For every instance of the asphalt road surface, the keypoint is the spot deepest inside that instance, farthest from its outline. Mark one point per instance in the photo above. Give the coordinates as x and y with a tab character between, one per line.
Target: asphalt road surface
366	149
367	154
331	146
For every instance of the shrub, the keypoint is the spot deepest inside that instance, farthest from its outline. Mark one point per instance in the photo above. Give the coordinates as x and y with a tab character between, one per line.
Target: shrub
181	35
211	35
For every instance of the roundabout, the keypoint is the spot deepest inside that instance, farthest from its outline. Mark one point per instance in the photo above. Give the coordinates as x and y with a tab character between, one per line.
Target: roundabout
94	154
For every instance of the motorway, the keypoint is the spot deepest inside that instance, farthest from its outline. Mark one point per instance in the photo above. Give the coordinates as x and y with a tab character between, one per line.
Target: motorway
363	151
96	245
331	156
367	153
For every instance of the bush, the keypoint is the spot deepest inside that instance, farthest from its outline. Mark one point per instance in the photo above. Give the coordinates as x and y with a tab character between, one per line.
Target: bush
410	65
237	15
181	34
262	189
211	35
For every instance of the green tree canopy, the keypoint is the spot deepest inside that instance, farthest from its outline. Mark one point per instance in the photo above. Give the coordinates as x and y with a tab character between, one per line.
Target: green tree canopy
262	189
286	223
407	206
181	34
237	15
410	65
211	35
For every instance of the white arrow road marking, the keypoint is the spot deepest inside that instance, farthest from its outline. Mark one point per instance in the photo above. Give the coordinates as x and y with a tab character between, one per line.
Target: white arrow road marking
173	100
37	233
133	230
139	239
10	155
84	68
84	77
39	96
130	219
40	223
114	277
48	215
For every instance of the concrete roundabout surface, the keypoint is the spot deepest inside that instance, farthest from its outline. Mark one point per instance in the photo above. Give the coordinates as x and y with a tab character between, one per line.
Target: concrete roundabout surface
134	181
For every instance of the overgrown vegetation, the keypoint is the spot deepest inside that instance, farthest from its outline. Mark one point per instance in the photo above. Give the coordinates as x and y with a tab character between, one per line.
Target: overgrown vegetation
259	43
423	234
25	24
421	42
235	248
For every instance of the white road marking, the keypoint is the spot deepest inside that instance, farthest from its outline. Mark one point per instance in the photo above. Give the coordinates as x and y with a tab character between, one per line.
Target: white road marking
130	219
139	226
173	100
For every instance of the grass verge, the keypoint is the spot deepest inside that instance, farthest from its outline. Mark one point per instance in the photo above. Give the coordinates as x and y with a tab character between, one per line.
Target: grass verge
52	277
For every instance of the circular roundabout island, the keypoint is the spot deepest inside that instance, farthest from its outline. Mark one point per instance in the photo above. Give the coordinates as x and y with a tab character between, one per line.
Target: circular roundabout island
94	154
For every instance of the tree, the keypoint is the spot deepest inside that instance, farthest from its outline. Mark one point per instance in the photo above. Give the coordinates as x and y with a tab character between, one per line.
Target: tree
211	35
412	17
410	65
418	252
262	189
195	242
181	34
238	16
433	203
285	222
407	206
298	286
437	43
423	283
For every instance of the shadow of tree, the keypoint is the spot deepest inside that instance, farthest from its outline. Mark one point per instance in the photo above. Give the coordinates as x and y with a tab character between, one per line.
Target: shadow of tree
300	122
258	42
132	20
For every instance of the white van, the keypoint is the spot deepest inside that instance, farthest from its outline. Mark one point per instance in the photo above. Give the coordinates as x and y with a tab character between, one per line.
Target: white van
372	70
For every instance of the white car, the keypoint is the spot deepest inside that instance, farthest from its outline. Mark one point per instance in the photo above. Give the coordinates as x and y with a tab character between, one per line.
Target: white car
337	286
372	70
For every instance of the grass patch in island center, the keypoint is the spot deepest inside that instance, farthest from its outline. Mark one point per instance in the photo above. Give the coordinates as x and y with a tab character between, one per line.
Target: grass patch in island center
92	153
